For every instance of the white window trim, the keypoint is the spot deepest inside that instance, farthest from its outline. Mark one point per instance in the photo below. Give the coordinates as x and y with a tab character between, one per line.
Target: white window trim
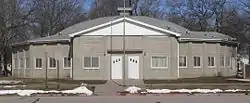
35	63
91	68
20	63
186	62
48	61
200	61
223	61
230	62
151	64
70	63
16	67
214	62
26	63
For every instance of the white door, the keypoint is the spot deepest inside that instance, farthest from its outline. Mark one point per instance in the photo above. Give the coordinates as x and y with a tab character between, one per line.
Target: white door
116	67
133	67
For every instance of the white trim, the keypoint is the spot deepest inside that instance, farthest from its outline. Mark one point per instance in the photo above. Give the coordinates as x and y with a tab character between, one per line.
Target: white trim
223	61
151	65
16	66
91	68
70	63
178	59
95	27
26	63
212	67
22	63
121	19
198	39
48	61
230	62
186	61
154	27
200	61
35	62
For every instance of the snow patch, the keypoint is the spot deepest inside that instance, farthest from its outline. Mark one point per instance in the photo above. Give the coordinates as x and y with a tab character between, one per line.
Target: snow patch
78	90
12	86
162	91
2	82
234	90
133	89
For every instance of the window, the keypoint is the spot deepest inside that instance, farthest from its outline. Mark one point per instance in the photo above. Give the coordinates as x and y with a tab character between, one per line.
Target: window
228	61
91	62
222	61
183	61
159	62
21	63
52	63
16	63
27	62
211	61
38	63
197	61
67	62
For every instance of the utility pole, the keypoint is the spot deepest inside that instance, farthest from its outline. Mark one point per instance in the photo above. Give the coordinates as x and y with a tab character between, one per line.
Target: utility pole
46	70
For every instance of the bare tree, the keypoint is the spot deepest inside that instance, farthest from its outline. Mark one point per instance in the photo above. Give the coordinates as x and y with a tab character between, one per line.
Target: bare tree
196	13
54	15
14	18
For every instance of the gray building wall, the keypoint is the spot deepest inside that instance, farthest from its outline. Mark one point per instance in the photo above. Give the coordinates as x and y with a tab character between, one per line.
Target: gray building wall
150	45
59	51
204	50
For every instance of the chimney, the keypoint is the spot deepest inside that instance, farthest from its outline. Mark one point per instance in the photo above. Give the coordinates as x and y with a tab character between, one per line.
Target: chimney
127	11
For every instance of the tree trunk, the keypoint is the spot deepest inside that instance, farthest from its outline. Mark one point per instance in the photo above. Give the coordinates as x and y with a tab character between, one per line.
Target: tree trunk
6	72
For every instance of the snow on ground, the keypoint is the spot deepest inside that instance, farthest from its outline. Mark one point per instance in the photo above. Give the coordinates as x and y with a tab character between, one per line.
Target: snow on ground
234	90
3	82
133	89
184	90
12	86
78	90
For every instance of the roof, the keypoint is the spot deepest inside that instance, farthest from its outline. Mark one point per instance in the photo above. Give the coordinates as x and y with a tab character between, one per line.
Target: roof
163	24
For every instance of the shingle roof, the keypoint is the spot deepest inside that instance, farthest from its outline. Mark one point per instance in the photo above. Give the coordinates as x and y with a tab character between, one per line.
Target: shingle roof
164	24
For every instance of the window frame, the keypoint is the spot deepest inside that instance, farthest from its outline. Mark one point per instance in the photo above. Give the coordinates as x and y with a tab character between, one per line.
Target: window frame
200	61
70	63
23	62
41	63
224	61
185	63
209	61
49	63
151	64
26	63
16	63
230	61
91	68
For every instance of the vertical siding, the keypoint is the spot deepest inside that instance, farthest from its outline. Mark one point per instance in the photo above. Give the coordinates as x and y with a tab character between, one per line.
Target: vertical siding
33	51
151	45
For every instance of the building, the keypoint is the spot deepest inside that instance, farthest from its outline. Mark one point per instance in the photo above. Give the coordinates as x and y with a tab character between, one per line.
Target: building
154	50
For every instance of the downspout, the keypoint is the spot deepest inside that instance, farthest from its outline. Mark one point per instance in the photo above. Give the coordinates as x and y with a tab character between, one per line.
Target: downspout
178	56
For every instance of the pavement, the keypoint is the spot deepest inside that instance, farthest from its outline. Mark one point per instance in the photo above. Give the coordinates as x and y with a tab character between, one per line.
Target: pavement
230	98
241	80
